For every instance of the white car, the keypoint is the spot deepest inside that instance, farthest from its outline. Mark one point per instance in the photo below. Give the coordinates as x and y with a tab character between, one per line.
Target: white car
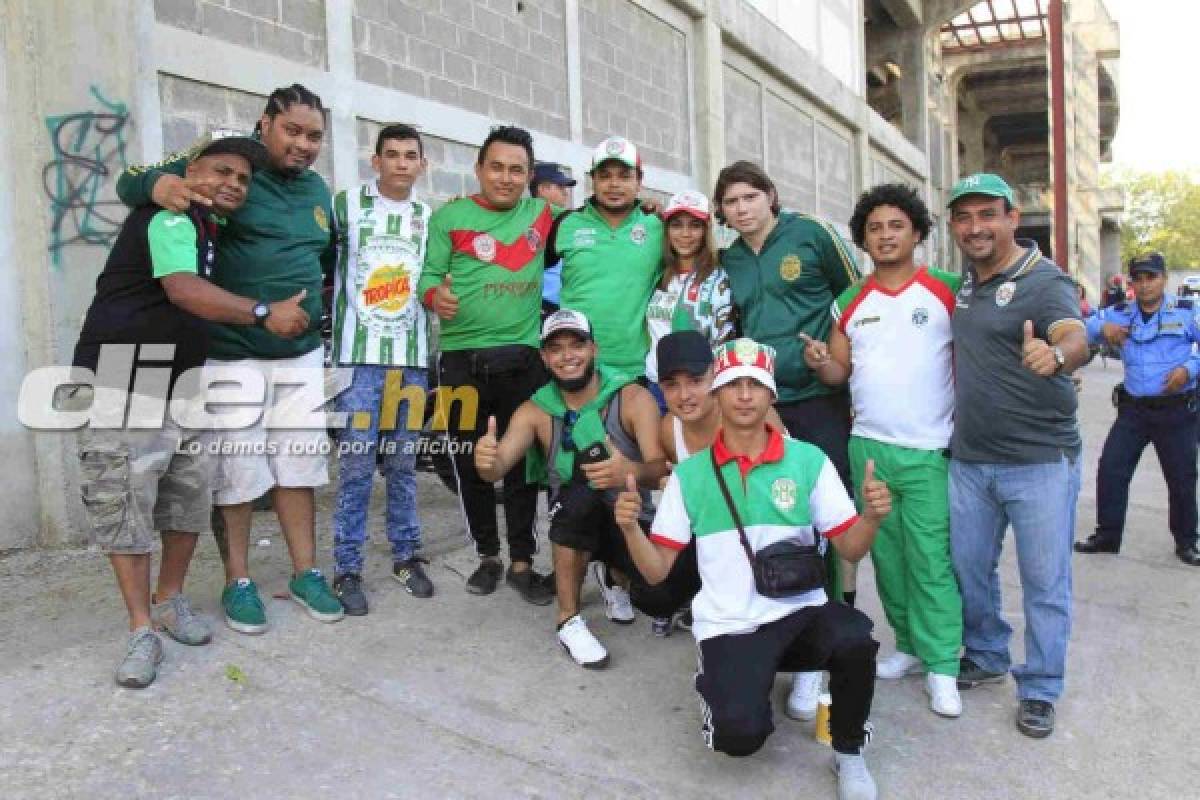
1189	286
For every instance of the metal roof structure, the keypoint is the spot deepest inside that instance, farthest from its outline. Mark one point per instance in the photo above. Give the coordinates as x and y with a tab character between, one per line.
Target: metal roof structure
993	24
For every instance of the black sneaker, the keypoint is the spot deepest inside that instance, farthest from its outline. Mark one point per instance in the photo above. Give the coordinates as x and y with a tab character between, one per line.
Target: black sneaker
531	586
1097	544
484	579
1189	555
349	590
684	622
971	675
1035	718
412	577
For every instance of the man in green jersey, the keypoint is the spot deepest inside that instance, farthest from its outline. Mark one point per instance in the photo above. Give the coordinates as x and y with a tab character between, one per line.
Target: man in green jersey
278	244
483	278
611	251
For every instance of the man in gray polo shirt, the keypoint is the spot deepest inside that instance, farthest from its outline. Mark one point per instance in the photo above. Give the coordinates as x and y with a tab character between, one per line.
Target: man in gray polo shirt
1015	449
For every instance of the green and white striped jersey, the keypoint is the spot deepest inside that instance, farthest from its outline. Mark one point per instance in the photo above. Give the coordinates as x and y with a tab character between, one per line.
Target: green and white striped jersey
377	316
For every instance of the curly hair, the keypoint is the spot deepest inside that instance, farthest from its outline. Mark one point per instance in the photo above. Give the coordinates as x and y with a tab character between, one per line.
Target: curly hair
897	195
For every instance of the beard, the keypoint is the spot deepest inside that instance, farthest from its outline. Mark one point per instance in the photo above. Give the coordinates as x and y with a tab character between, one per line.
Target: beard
575	384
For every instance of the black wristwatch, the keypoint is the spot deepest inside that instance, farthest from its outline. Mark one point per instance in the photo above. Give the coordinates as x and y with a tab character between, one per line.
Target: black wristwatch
261	312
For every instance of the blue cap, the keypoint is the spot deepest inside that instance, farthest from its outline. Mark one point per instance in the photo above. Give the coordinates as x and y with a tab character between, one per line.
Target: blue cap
548	172
1148	262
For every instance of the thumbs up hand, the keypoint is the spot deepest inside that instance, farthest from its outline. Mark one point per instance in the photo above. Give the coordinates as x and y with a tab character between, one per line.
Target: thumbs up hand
287	319
1036	354
487	451
628	505
877	500
445	301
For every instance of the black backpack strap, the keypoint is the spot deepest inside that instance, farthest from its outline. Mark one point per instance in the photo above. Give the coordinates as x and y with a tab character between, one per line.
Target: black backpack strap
737	519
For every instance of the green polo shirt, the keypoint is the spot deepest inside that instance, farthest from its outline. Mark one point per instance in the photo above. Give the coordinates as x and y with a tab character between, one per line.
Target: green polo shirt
279	242
787	288
609	275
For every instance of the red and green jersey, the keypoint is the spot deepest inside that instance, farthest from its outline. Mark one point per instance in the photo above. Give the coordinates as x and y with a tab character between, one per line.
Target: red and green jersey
609	274
494	259
790	491
900	346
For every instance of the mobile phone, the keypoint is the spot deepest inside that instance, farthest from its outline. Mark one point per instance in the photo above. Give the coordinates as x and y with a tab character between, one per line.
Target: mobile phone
592	454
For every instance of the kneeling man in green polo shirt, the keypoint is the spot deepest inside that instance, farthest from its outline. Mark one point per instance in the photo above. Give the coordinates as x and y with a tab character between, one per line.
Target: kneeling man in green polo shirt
752	490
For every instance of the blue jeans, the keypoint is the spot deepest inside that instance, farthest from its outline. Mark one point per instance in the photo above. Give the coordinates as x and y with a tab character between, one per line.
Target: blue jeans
357	453
1038	500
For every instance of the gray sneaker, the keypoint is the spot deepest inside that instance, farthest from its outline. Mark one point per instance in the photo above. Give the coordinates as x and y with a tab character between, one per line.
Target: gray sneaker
176	617
854	779
143	654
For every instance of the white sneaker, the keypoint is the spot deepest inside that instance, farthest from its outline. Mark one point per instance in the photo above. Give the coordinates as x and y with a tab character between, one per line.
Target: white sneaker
897	665
617	605
943	694
579	643
854	779
802	700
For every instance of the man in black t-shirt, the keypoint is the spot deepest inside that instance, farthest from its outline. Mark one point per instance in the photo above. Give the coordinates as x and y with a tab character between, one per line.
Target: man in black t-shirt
153	302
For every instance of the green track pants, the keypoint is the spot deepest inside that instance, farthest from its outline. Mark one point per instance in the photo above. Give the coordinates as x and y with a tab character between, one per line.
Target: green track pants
911	553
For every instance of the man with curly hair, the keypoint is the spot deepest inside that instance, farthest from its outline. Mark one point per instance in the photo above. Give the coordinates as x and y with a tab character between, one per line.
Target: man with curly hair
891	338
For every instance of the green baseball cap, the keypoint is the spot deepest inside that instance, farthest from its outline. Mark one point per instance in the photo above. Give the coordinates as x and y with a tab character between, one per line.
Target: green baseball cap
985	183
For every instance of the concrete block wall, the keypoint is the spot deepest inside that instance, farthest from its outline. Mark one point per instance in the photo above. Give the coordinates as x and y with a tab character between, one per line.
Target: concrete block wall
190	108
790	153
502	59
291	29
743	116
635	81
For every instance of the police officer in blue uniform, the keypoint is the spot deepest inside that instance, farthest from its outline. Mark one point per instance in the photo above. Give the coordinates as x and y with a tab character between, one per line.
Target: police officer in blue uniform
1156	404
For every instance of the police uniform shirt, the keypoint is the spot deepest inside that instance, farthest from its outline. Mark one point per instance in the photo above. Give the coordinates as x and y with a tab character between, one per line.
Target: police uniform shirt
1155	345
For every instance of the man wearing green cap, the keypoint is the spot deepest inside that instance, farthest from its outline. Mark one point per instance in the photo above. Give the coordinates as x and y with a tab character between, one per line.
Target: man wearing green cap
1015	448
611	252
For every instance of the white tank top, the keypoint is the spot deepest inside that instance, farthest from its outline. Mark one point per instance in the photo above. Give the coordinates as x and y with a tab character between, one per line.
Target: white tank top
681	448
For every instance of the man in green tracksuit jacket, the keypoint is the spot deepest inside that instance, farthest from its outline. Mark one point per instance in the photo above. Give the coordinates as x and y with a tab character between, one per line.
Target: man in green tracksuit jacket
276	246
611	252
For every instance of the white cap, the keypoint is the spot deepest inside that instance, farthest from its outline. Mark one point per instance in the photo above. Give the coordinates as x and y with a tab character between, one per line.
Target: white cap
566	320
688	202
616	148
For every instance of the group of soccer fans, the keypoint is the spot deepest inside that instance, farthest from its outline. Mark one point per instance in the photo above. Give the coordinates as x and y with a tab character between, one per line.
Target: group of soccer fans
775	397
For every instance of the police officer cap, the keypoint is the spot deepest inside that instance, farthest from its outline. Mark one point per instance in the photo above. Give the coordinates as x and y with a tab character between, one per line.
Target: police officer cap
1149	262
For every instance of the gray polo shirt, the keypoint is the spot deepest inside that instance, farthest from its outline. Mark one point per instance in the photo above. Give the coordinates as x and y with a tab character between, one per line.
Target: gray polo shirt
1004	413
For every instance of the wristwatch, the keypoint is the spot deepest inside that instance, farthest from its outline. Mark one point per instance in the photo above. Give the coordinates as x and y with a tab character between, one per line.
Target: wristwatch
261	312
1059	358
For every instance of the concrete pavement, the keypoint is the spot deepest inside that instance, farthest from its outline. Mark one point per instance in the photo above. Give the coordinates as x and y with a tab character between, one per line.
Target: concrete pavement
460	696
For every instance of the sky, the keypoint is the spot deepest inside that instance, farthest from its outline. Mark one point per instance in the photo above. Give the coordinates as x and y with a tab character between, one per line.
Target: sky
1159	127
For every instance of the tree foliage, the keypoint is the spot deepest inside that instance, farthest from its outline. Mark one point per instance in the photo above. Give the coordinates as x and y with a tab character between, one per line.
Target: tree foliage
1162	212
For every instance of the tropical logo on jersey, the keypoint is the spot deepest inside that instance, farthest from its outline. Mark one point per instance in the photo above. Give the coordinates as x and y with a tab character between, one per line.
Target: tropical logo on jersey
388	288
386	276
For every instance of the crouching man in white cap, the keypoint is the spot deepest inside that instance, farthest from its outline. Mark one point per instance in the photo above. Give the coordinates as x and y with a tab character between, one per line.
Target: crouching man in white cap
740	499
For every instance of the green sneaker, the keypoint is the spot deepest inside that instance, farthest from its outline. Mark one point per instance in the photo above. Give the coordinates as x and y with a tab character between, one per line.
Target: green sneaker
243	609
310	590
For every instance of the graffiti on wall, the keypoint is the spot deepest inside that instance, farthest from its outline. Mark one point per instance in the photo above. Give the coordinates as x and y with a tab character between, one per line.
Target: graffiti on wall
88	146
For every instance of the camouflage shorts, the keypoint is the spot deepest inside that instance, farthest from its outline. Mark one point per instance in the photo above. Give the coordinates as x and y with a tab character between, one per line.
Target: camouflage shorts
136	483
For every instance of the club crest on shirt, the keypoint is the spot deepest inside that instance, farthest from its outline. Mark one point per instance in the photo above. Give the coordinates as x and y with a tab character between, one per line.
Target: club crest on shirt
533	238
790	267
783	494
1004	294
920	316
321	217
485	247
638	234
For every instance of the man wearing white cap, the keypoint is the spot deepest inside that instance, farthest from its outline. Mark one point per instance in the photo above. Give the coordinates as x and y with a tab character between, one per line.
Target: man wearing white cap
611	251
585	433
747	625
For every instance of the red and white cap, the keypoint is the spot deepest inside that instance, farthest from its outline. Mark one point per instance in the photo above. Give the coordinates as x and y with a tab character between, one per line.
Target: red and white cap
748	358
616	148
689	202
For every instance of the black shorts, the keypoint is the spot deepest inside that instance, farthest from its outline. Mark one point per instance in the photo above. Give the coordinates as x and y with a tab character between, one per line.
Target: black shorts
581	520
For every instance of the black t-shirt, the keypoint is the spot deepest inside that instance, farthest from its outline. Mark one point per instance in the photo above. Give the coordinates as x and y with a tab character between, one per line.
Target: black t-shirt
131	306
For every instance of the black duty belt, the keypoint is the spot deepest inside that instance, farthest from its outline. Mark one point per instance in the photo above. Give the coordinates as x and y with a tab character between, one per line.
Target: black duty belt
1124	398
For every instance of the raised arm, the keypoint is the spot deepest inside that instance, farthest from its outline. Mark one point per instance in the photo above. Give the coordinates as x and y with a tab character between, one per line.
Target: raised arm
493	459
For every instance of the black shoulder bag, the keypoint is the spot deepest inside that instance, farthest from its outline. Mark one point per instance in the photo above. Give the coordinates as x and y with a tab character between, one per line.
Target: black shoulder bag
783	569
